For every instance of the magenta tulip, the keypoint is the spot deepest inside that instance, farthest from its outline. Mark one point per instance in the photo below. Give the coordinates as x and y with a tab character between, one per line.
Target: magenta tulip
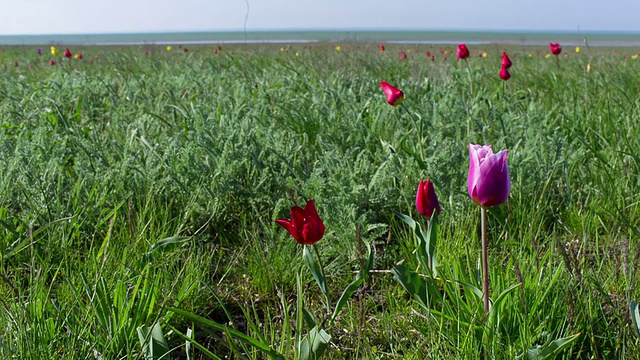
426	199
305	225
504	73
488	182
556	49
462	52
394	95
506	62
67	53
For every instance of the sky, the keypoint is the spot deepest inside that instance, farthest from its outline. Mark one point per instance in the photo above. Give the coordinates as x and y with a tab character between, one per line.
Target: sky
23	17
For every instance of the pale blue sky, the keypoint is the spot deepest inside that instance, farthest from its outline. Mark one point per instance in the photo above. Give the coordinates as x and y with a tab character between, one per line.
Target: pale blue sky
108	16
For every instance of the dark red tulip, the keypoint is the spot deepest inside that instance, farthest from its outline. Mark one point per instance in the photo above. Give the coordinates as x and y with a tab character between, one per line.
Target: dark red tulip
394	95
426	199
556	49
186	50
504	73
427	53
506	62
462	52
51	62
433	58
381	48
403	55
305	225
146	52
15	63
67	53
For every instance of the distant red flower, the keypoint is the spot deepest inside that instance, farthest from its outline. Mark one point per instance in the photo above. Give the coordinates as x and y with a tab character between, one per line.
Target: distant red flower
215	51
462	52
67	53
186	50
403	55
427	53
506	62
394	95
305	225
381	48
556	49
15	63
78	56
504	73
219	47
433	58
51	62
146	52
444	58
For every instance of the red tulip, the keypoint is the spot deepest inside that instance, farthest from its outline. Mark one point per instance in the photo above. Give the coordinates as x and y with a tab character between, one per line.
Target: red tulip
67	53
426	199
403	55
488	182
305	225
427	53
433	58
556	49
146	52
394	95
186	50
506	62
381	48
51	62
463	52
504	73
79	56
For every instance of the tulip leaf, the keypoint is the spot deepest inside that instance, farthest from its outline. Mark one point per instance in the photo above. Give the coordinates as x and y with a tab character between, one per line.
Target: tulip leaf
317	272
423	289
409	221
346	295
313	345
549	350
634	308
154	345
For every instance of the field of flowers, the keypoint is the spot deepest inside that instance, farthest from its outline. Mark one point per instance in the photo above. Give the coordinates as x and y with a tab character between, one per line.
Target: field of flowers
338	201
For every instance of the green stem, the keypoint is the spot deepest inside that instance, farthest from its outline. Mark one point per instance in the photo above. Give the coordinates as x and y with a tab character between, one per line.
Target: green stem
418	127
470	98
326	295
485	261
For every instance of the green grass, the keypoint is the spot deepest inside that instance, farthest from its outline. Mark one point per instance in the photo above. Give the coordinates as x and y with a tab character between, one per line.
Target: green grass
103	159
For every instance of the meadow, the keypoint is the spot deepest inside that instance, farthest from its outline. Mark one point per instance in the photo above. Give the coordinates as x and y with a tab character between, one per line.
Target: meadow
139	193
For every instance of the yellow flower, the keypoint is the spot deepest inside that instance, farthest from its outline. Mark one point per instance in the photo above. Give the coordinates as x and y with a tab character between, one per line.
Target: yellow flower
297	53
634	56
54	51
589	67
169	48
547	56
281	49
338	48
484	55
577	49
530	55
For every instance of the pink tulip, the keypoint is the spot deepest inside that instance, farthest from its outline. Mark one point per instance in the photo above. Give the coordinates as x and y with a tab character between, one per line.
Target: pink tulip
504	73
51	62
556	49
403	55
67	53
506	62
488	182
426	199
462	52
394	95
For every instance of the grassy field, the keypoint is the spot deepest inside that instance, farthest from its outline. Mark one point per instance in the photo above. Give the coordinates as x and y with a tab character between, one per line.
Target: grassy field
142	189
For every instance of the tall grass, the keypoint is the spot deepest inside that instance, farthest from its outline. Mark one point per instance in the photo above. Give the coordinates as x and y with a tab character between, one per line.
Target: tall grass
103	159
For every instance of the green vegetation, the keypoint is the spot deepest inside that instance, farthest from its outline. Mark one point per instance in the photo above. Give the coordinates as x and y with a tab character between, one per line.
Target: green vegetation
139	190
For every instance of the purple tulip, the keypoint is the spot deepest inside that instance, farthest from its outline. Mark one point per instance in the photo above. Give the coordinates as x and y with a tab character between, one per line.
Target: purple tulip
488	182
39	51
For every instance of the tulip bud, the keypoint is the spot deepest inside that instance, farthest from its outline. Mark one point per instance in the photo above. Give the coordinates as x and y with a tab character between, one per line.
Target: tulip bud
394	95
504	73
556	49
426	199
488	182
506	62
462	52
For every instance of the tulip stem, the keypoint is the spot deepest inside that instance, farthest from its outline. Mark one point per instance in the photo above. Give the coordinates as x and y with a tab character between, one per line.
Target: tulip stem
485	261
326	294
470	97
419	129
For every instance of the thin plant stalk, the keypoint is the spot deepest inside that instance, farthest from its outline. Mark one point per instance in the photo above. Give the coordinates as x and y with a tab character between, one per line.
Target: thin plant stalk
485	261
419	128
470	97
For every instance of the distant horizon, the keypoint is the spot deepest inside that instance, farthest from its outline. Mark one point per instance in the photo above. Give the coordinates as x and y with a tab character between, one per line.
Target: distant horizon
337	30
